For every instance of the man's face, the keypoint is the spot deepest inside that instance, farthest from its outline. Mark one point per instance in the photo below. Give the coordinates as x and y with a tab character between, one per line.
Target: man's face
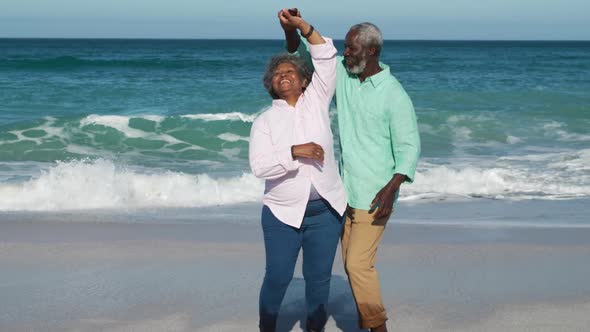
355	54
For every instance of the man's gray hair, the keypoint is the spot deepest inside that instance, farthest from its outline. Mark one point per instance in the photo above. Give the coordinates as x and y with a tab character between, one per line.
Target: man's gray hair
369	35
300	66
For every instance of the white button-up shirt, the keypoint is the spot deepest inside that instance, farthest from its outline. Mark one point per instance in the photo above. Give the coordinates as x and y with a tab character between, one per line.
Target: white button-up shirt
288	181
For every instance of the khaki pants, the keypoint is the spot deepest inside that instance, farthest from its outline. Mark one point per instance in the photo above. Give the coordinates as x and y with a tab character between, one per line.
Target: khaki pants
360	239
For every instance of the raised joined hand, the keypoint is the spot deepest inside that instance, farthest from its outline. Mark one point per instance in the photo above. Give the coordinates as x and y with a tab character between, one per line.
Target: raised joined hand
290	19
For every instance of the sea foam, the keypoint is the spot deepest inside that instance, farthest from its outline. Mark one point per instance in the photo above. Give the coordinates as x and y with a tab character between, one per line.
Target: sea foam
537	176
232	116
102	184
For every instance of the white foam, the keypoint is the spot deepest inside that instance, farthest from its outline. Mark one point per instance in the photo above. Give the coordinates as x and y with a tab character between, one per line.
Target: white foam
232	137
154	118
47	127
454	119
427	129
523	177
102	184
117	120
462	134
513	140
121	124
232	116
84	150
555	128
231	154
562	159
578	161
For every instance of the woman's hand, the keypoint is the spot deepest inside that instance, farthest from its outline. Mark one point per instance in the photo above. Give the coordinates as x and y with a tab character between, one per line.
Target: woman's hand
308	150
290	19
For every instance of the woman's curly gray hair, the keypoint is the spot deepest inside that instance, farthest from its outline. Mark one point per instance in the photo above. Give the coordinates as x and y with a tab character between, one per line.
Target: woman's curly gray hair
300	66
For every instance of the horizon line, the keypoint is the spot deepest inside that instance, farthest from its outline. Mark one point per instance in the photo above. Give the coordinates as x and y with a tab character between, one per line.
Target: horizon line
281	39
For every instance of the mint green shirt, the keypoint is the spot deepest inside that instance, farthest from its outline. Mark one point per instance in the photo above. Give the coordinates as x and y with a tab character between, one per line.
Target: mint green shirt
378	132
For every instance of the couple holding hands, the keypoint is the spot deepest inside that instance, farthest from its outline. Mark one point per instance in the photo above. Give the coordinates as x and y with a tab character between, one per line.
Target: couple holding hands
311	201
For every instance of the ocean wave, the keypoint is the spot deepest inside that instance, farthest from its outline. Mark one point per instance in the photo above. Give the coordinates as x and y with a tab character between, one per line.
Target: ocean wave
517	178
233	137
232	116
178	136
556	129
122	124
101	184
73	62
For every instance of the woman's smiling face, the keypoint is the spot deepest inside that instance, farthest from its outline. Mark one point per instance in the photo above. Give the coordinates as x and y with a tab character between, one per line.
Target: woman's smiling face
287	81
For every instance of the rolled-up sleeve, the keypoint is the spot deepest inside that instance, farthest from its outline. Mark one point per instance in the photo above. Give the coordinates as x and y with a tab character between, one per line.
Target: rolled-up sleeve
266	160
405	137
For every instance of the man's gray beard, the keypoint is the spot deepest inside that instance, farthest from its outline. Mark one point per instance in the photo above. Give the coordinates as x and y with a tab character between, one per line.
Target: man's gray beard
358	68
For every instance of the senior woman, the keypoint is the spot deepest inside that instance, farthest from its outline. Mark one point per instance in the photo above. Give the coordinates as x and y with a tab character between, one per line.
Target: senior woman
291	147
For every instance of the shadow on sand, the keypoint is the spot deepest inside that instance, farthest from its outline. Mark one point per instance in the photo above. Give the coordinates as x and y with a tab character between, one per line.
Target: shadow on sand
341	307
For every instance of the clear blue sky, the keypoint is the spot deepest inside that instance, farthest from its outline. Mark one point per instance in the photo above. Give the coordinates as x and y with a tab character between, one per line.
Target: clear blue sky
416	19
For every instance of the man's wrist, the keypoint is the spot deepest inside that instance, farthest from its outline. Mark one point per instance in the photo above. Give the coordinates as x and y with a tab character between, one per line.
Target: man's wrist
398	179
291	32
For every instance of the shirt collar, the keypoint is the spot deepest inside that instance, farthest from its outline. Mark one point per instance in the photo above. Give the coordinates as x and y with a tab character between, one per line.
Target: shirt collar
380	76
280	103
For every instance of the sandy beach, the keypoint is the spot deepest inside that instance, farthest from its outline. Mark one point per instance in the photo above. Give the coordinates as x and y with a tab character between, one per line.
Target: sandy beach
472	266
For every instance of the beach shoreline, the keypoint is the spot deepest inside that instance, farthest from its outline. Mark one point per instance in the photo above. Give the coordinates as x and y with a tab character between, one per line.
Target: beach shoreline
202	271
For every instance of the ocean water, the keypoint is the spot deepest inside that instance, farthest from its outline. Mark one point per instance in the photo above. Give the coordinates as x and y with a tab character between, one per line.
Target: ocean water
125	124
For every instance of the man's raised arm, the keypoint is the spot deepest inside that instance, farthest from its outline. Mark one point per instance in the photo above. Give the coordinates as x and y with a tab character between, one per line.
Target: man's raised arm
291	36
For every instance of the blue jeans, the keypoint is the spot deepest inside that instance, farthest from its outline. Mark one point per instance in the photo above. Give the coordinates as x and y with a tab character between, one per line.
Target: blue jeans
318	236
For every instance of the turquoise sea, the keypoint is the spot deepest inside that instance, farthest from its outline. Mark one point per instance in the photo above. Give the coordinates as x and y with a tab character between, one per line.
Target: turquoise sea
126	124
